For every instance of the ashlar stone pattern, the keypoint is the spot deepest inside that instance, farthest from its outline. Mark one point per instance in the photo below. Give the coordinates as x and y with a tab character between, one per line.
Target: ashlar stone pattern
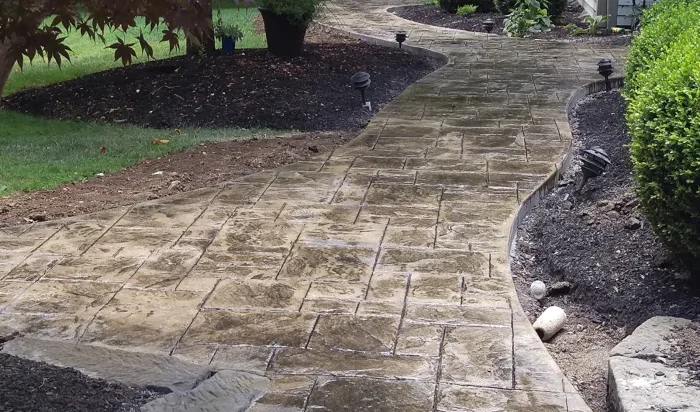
374	277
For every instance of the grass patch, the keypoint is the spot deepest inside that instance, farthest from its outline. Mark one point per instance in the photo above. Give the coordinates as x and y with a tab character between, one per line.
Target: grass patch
91	57
47	153
38	153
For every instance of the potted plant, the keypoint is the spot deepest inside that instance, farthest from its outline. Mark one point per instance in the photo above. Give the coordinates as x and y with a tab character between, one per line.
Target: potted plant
286	22
228	33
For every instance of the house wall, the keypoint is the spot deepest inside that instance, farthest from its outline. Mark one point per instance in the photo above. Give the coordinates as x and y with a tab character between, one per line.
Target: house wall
620	12
591	6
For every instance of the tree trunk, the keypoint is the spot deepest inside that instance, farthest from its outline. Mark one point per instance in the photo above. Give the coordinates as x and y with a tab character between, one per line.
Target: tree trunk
208	44
6	65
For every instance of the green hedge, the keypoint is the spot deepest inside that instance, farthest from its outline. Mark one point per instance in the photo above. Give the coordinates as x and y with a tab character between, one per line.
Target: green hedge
663	114
661	25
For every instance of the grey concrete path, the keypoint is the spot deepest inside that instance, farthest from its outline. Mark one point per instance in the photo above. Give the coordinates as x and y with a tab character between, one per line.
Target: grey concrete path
372	278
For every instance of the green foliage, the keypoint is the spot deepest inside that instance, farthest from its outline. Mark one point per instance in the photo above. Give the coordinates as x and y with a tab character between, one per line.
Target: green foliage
451	6
529	16
467	9
90	57
594	23
224	28
664	118
555	8
661	25
298	12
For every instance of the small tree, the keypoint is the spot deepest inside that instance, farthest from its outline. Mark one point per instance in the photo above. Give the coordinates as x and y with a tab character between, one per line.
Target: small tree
25	31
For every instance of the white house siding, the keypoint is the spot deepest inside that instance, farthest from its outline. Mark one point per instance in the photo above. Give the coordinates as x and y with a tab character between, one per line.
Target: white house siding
621	11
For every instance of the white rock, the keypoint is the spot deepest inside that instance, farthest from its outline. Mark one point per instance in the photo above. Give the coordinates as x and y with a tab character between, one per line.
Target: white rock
158	173
538	290
550	322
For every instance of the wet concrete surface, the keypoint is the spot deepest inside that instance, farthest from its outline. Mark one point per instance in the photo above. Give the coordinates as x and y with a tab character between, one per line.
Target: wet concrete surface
379	269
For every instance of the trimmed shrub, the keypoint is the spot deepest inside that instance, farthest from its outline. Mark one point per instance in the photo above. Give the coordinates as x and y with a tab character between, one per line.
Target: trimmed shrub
664	119
555	8
451	6
661	25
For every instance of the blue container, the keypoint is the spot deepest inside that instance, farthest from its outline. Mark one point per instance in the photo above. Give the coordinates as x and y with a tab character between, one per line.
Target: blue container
228	45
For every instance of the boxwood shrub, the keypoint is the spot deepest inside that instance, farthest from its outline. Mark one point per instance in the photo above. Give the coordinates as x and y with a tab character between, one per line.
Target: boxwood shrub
664	119
661	25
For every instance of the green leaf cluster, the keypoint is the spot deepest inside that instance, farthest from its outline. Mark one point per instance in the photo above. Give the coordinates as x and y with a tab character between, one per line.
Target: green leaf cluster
663	93
528	16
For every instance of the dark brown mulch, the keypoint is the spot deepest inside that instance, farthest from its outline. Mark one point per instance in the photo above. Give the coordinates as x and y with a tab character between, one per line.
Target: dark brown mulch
27	386
249	89
620	274
433	15
206	165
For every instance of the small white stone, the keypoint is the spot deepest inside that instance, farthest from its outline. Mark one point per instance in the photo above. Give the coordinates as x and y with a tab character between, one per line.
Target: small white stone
158	173
538	290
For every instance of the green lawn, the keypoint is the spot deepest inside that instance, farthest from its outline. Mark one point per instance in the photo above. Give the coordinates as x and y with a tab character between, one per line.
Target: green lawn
90	57
39	153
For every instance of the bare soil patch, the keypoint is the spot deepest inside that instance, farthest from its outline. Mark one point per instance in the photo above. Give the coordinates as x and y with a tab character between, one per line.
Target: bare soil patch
599	242
434	16
203	166
250	88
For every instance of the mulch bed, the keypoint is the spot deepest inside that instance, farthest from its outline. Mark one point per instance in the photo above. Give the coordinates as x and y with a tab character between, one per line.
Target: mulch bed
204	166
28	386
599	242
434	16
248	89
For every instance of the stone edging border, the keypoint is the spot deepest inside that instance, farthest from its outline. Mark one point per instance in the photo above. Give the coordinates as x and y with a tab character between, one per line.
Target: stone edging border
534	198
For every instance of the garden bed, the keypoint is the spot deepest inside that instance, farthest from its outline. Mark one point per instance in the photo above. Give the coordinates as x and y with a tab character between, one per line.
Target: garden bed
434	16
599	242
39	387
250	89
206	165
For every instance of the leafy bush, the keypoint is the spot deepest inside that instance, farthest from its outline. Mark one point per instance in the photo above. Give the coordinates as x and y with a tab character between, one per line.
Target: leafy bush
451	6
529	16
223	28
466	10
555	8
661	25
594	23
664	119
299	12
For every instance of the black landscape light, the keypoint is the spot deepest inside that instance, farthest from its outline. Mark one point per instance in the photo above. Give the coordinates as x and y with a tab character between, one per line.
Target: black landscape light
400	37
605	69
593	163
488	25
361	81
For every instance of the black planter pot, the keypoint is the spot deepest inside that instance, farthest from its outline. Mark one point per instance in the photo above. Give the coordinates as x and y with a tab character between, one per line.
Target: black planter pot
284	39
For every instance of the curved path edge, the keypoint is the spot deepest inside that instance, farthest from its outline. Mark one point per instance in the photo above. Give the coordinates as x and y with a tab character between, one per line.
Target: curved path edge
373	278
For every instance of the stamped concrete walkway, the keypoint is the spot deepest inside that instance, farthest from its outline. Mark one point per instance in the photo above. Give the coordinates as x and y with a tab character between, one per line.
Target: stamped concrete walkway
373	278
